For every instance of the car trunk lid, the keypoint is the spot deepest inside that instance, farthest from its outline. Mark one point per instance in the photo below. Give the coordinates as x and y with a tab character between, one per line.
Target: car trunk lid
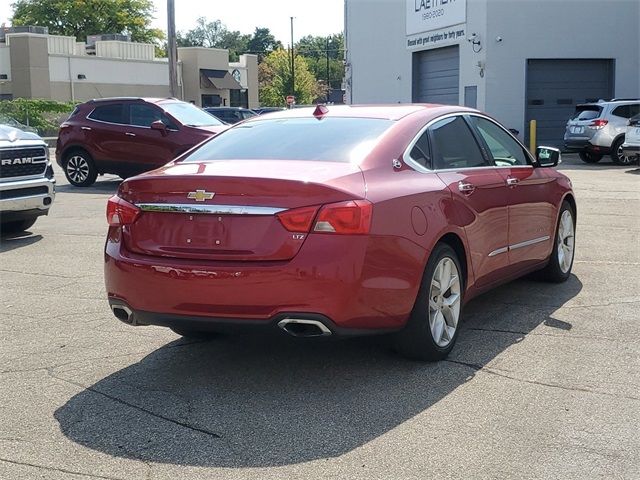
227	210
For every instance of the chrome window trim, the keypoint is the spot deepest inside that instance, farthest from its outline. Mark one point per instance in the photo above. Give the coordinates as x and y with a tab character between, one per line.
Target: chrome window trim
209	209
406	155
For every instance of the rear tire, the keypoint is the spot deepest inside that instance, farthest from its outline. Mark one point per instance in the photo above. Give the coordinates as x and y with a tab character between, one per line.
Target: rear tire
617	156
80	169
17	226
194	334
561	261
590	157
433	326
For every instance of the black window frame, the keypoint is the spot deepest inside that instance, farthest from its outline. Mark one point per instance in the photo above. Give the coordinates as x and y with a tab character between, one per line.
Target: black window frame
478	142
124	114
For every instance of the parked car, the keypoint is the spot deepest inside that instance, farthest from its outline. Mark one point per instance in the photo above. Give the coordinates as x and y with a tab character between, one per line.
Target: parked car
27	185
263	110
230	115
339	221
128	136
598	129
631	145
12	122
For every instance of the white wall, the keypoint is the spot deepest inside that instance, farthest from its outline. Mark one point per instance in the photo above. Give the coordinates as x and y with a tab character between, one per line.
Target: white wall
104	70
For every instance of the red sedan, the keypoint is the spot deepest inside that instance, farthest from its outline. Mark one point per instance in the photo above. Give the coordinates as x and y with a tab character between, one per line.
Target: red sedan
339	221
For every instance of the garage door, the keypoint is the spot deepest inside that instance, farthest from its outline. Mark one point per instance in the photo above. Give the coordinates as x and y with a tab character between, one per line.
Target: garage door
436	76
555	87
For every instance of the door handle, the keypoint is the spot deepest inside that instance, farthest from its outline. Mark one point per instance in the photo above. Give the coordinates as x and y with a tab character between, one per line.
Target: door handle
85	128
512	181
129	134
466	188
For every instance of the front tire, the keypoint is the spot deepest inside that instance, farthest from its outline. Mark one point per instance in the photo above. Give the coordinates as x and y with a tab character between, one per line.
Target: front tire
561	261
432	329
589	157
17	226
80	169
617	156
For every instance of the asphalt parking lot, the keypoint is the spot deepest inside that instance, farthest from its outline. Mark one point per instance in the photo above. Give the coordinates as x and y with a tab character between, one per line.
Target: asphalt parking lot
543	383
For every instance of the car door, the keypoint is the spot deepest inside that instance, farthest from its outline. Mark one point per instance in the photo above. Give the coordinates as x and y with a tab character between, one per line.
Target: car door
105	134
530	194
479	193
150	148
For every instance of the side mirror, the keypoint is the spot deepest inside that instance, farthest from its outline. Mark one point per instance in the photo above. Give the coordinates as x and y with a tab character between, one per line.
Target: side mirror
547	157
161	127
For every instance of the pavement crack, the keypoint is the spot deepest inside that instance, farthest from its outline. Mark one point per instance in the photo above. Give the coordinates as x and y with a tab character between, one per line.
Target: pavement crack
60	470
137	407
498	373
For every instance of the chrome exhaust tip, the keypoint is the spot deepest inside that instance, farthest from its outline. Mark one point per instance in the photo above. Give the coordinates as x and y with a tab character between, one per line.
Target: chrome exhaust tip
123	313
298	327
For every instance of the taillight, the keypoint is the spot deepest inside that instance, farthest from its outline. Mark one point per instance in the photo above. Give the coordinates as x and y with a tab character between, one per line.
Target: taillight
298	220
352	217
598	124
120	212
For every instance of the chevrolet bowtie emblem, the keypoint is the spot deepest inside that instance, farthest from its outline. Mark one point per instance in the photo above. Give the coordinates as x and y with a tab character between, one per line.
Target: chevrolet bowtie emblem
200	195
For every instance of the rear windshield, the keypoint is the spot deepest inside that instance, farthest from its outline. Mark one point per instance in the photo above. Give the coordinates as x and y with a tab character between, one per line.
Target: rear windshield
328	139
586	112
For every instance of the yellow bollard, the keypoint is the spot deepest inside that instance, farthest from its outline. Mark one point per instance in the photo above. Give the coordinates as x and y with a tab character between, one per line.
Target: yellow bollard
533	125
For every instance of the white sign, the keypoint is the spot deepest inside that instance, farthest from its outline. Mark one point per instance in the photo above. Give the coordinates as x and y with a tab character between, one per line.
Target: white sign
437	38
427	15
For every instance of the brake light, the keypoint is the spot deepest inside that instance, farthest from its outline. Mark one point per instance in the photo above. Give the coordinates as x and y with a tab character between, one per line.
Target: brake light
598	124
352	217
120	212
298	220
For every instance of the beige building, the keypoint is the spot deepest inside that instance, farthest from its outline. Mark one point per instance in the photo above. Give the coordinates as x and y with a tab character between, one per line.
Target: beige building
59	68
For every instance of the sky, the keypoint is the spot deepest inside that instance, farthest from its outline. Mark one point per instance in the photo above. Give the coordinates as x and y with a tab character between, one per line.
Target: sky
312	17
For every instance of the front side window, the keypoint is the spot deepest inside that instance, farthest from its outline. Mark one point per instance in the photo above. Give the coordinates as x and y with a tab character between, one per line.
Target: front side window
144	115
454	146
329	139
504	150
113	113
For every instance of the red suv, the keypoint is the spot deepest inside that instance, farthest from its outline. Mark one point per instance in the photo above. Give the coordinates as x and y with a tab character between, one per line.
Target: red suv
128	136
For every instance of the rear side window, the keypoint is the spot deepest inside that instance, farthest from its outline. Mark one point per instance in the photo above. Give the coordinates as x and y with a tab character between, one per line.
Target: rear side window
113	113
626	111
421	151
454	146
329	139
586	112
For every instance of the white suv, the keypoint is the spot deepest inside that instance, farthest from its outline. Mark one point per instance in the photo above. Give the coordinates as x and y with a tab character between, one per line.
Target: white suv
631	145
598	129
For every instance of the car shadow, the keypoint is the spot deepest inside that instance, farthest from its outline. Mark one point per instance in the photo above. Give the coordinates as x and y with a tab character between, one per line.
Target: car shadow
634	172
104	186
255	402
11	241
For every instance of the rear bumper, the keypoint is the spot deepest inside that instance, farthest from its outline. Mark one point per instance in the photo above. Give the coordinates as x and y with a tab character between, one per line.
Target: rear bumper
354	283
22	199
581	145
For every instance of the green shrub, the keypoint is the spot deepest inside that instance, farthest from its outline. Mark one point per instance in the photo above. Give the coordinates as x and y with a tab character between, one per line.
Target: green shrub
43	115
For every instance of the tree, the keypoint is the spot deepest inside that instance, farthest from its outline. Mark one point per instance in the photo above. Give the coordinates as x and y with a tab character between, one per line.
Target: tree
214	34
274	77
81	18
317	50
263	43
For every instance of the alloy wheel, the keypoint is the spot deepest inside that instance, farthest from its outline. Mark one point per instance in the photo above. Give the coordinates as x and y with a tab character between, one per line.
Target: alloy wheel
444	302
623	159
78	168
566	237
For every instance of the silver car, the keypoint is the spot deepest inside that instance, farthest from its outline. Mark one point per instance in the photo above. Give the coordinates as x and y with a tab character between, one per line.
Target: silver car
598	129
631	145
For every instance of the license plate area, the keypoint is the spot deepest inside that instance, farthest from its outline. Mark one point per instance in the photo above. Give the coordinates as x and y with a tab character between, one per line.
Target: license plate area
203	231
576	130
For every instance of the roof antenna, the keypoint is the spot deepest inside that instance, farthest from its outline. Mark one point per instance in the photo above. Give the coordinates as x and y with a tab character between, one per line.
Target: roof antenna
320	111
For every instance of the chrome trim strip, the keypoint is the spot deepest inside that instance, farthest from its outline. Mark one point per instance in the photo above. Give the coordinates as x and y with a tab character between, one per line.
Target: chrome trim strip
406	155
209	209
499	251
515	246
529	242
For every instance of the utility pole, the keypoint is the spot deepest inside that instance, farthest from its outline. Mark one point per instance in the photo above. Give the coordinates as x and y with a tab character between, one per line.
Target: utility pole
328	75
293	65
172	50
